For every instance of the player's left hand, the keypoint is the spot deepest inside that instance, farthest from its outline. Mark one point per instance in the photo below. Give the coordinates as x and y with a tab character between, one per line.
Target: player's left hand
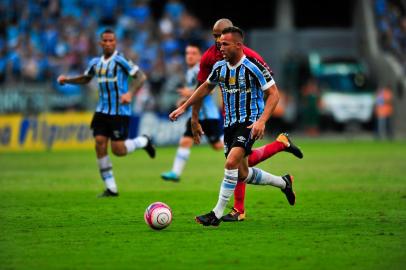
257	130
173	116
126	98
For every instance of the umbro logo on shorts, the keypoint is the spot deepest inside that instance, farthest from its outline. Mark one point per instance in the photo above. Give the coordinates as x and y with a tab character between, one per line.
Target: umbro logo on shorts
116	133
241	139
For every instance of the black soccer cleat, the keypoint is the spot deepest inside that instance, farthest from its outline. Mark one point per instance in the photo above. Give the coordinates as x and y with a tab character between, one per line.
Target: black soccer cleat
288	190
149	148
233	216
108	193
290	146
208	219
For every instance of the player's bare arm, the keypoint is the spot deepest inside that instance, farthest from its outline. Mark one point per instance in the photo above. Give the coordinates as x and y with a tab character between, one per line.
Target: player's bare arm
272	99
81	79
197	129
185	92
138	80
199	94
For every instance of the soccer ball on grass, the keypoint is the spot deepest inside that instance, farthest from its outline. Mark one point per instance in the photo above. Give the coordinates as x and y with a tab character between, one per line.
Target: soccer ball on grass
158	215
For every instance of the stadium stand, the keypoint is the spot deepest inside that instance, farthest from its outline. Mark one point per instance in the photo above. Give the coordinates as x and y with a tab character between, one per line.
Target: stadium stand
41	39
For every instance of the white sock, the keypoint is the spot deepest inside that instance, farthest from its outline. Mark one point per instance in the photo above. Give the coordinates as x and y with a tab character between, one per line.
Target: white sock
136	143
106	172
182	156
226	190
259	177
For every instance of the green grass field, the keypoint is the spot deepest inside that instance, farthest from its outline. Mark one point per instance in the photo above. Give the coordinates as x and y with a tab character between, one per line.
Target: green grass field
350	212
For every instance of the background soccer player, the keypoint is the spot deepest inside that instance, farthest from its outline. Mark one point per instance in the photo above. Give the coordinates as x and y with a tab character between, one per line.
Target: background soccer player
209	116
282	143
112	117
244	83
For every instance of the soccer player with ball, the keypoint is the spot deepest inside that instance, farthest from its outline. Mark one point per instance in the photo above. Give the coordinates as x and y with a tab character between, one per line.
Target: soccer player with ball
257	155
245	84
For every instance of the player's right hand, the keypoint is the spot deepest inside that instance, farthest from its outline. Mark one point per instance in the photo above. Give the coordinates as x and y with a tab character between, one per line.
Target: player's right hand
62	79
197	131
126	98
173	116
257	130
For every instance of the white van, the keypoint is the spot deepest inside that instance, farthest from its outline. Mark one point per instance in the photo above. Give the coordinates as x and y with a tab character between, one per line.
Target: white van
346	96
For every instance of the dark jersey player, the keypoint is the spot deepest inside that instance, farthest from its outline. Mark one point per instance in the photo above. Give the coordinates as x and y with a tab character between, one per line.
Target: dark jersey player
282	142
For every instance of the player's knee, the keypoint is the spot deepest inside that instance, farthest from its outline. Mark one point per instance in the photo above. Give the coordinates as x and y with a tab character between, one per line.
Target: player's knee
231	163
186	142
100	145
217	145
100	142
118	150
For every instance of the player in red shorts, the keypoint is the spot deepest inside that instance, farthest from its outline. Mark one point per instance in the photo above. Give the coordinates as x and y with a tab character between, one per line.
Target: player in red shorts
282	142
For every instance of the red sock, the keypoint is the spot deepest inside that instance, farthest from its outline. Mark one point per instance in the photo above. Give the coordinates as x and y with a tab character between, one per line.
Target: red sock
258	155
264	152
239	196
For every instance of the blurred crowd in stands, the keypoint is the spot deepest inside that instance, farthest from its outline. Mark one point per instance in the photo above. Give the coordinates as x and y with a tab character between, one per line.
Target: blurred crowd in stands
40	39
391	24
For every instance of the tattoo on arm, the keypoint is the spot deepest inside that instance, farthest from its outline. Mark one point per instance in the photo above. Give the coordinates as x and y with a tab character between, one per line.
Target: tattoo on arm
138	80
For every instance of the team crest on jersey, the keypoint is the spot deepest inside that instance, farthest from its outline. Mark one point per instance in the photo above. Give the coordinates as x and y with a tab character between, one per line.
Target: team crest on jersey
103	71
232	80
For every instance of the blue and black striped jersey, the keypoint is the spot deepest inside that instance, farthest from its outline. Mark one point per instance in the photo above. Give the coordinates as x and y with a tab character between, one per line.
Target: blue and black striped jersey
242	87
209	109
112	77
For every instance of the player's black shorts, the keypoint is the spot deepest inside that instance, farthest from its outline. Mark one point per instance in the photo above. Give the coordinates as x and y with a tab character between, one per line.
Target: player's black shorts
116	127
238	135
211	127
